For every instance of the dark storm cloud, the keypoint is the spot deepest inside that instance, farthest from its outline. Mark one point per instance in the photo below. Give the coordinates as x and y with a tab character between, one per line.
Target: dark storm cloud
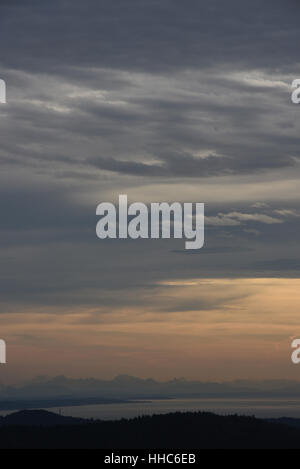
148	35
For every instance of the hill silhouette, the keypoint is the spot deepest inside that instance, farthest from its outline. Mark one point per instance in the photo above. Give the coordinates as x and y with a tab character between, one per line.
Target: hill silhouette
173	431
40	418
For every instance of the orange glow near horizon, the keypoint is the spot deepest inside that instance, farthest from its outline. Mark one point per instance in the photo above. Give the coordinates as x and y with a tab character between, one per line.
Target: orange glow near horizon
204	329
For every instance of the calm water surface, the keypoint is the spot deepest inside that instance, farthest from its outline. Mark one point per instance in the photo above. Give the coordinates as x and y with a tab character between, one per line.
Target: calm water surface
262	408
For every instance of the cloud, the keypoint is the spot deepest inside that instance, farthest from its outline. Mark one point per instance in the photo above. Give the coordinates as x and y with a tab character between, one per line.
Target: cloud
256	217
154	99
186	166
237	218
151	36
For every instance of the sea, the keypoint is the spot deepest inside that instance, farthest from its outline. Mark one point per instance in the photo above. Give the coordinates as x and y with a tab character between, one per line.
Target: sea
260	408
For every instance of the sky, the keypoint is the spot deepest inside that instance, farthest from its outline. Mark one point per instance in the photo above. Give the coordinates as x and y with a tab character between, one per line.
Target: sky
163	101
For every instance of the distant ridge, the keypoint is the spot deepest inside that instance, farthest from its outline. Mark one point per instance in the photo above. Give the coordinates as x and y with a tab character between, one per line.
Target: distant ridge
131	388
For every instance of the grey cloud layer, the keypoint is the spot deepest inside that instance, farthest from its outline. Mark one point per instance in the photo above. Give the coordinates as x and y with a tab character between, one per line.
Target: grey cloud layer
149	35
187	127
105	96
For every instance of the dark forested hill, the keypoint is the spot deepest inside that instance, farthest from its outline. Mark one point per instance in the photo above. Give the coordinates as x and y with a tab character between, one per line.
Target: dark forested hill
173	431
40	418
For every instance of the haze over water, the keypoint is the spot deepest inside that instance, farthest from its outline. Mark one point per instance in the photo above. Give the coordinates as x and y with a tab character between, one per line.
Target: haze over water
260	408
